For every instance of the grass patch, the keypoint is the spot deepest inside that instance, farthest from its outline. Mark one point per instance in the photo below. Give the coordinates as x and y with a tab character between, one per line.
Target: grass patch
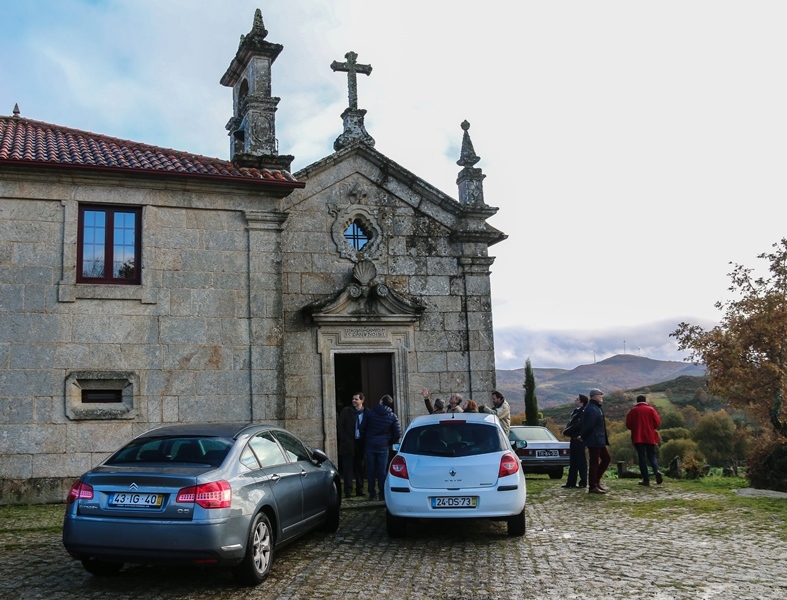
44	518
709	496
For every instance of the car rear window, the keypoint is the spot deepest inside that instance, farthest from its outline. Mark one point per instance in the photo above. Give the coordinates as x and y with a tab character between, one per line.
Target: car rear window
190	450
453	438
536	434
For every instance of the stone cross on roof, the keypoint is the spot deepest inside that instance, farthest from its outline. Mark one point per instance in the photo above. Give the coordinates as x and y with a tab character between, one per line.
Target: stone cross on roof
351	67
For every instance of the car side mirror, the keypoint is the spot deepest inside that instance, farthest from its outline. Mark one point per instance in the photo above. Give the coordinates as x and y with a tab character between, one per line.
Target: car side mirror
396	447
319	456
521	444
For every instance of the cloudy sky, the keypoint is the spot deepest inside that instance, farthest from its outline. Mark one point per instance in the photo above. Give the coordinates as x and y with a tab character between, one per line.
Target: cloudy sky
634	149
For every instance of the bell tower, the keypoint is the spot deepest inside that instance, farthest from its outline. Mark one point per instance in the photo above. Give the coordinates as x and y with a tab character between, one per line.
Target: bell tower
252	128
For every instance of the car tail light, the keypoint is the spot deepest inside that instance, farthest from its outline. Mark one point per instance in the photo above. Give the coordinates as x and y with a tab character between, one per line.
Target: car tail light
399	467
216	494
509	464
565	452
79	491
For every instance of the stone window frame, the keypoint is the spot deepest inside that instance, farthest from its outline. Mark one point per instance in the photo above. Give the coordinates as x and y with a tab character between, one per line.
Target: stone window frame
68	288
125	381
368	222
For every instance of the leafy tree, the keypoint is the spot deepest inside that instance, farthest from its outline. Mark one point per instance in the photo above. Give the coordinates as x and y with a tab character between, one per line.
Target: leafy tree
746	354
701	397
690	416
674	433
715	437
531	402
671	419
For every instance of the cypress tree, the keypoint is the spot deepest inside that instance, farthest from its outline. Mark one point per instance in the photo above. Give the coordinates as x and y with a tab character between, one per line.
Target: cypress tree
531	403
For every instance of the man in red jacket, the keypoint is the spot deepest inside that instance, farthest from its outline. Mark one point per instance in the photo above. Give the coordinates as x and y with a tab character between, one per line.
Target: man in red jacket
643	420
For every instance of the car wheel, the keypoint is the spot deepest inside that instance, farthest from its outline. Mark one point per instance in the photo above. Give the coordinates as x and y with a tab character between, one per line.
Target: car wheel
257	562
396	526
334	504
516	524
101	568
556	473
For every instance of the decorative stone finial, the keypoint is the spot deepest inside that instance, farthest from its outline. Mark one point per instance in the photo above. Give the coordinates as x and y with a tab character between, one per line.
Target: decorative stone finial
471	179
352	117
258	32
16	110
468	157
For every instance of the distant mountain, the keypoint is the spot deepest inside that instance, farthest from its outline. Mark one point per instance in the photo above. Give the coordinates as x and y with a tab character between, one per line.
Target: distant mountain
621	372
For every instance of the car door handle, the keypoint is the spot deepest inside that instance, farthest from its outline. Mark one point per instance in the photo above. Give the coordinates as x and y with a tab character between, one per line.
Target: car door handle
304	473
275	477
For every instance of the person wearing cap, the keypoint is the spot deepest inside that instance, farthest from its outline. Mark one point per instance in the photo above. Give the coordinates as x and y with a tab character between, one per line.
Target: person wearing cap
594	434
501	408
643	420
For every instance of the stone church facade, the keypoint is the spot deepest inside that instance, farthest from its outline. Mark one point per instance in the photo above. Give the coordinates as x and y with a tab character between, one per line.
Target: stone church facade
141	286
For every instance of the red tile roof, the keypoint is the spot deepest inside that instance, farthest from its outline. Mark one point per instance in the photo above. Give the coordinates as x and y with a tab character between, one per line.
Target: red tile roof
23	141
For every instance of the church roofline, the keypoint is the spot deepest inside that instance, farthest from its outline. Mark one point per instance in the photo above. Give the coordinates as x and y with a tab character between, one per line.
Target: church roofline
394	170
34	144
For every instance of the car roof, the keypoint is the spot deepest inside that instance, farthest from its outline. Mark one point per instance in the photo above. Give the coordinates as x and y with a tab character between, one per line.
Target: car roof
468	417
230	430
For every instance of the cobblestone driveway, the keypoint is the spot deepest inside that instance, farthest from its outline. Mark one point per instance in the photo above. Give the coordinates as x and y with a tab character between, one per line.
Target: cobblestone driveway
612	554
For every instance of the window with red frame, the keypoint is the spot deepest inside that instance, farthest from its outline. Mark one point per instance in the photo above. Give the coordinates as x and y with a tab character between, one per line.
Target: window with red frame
109	245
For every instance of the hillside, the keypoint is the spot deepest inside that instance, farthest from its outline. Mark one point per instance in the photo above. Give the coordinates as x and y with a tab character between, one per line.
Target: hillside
621	372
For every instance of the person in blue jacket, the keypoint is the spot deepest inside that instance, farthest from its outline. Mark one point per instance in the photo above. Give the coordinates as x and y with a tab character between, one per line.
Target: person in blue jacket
381	430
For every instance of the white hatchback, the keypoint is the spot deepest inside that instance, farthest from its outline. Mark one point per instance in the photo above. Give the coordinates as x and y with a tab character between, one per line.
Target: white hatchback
456	465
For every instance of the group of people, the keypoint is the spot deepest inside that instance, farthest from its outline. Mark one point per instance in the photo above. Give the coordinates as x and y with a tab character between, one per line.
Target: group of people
365	436
500	406
587	428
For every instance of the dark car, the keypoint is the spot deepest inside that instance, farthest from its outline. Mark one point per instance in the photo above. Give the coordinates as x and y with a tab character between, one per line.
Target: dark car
544	453
221	494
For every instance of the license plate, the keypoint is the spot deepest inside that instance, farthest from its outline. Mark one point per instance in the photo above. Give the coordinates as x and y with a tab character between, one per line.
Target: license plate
135	500
547	453
454	501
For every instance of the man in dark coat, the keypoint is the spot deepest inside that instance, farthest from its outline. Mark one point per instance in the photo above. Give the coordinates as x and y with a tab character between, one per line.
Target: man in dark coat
352	454
594	434
382	429
578	464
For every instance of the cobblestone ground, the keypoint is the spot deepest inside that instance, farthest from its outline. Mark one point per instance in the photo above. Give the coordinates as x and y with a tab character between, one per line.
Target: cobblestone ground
576	546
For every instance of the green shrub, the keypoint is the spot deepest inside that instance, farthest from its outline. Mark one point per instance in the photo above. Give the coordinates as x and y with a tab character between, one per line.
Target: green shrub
693	469
672	419
715	434
684	447
621	448
674	433
766	467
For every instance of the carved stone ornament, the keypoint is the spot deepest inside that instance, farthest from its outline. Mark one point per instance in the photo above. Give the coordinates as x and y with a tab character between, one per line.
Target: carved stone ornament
347	207
366	301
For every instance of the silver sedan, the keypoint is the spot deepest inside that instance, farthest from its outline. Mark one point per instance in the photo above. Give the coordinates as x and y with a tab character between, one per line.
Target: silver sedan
201	494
